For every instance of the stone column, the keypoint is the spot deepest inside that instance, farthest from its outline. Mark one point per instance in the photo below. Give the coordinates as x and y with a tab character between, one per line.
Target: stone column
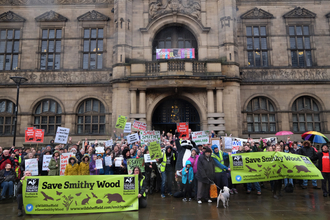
142	102
219	99
210	101
133	101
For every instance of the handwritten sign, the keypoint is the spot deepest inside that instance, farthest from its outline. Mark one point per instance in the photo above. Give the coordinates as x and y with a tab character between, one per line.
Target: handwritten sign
216	141
128	127
118	162
147	159
155	150
236	145
45	162
121	122
62	135
64	161
132	163
109	143
183	129
200	137
99	150
139	125
30	134
98	164
32	166
150	136
228	142
108	161
132	138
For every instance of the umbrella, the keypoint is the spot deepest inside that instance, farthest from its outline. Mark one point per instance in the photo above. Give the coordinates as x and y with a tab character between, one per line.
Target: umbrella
283	133
315	137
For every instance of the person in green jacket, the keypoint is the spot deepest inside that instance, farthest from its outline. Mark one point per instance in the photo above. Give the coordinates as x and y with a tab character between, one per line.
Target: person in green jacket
54	164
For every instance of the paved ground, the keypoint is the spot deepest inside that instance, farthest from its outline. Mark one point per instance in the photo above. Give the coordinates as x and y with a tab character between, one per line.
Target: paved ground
300	205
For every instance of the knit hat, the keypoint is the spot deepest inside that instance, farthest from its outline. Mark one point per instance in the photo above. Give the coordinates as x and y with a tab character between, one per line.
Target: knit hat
194	149
208	150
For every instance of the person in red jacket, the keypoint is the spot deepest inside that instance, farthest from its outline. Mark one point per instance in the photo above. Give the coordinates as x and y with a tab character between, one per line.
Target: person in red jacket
6	158
324	167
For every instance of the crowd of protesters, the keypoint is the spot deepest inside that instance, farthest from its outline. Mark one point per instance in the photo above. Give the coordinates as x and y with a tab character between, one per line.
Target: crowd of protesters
171	175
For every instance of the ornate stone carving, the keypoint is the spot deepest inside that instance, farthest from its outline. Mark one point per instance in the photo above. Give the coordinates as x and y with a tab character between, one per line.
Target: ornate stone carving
225	21
299	13
50	16
57	77
54	2
257	14
285	75
189	7
11	17
93	16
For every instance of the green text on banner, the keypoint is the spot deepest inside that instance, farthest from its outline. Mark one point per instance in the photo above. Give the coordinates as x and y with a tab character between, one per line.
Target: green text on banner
121	122
132	163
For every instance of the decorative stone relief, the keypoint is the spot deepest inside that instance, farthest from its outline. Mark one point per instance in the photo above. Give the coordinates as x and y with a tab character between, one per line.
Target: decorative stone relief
299	13
50	16
257	14
225	21
11	17
54	2
285	75
93	16
189	7
151	97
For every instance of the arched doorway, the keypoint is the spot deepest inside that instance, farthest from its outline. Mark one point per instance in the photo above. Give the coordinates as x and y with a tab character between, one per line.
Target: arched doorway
175	110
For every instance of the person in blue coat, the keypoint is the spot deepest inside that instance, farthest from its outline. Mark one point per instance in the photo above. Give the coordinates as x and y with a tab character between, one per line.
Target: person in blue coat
187	180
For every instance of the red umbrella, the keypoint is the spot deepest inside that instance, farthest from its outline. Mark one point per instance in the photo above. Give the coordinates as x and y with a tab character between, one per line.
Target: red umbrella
283	133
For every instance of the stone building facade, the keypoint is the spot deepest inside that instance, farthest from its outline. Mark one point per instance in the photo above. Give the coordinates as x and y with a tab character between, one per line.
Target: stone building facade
259	67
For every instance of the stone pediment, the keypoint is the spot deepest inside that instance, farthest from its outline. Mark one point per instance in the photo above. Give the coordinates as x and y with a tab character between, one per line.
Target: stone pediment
11	17
257	14
93	16
51	16
161	7
299	13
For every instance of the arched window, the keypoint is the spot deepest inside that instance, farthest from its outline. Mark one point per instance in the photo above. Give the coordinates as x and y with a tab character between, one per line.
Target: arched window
47	116
91	117
7	110
260	115
306	115
174	37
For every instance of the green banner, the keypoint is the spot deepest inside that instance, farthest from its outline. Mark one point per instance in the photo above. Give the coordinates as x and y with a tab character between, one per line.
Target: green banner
80	194
121	122
154	150
131	163
266	166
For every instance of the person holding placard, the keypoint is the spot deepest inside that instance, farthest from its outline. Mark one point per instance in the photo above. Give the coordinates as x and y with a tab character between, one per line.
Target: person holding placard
41	162
27	157
7	178
219	157
92	166
150	170
108	170
54	164
167	169
142	188
72	168
84	165
100	171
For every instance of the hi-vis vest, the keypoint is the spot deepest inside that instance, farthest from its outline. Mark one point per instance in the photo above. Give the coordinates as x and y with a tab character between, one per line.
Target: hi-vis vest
16	170
141	184
163	163
220	159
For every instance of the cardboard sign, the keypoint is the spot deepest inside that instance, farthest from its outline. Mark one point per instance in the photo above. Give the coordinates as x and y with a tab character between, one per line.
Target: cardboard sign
45	162
139	125
64	161
200	137
121	122
150	136
128	127
62	135
30	134
98	164
32	165
109	143
108	161
147	158
99	150
39	135
155	150
132	138
183	129
216	141
132	163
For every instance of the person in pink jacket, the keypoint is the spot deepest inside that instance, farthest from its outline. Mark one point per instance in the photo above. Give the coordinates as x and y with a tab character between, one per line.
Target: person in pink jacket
194	159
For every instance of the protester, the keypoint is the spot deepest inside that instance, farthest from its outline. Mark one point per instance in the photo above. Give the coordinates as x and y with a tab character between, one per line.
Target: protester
150	169
54	164
6	158
7	179
19	193
40	163
92	166
221	179
249	185
142	188
277	183
167	163
324	167
84	165
187	181
194	161
27	157
100	171
72	168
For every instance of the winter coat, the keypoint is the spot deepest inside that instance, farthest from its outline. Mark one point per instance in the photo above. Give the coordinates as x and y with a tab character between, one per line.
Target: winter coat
83	166
53	169
92	166
72	169
194	162
188	175
205	169
320	156
10	177
309	152
173	158
142	189
4	160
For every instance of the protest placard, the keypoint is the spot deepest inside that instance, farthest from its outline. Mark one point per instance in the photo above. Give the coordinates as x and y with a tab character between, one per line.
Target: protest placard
30	134
128	127
150	136
131	163
108	161
200	137
99	150
109	143
147	158
183	129
98	164
118	161
32	165
62	135
236	145
64	161
45	162
132	138
228	142
216	141
155	150
121	122
39	135
141	126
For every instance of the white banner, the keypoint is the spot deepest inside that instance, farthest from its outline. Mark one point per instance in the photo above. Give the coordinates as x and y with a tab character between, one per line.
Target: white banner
118	161
62	135
45	162
200	137
132	138
147	158
32	166
139	125
128	127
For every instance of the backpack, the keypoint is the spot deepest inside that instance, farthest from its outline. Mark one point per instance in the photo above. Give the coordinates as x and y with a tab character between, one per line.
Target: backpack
289	188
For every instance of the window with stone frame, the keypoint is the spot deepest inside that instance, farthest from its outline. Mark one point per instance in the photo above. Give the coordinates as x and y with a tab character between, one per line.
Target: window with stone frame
261	116
256	45
48	116
300	46
93	48
9	48
50	54
7	117
306	115
91	117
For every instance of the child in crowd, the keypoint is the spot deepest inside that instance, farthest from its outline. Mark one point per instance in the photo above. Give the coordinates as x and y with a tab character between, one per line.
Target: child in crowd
187	180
